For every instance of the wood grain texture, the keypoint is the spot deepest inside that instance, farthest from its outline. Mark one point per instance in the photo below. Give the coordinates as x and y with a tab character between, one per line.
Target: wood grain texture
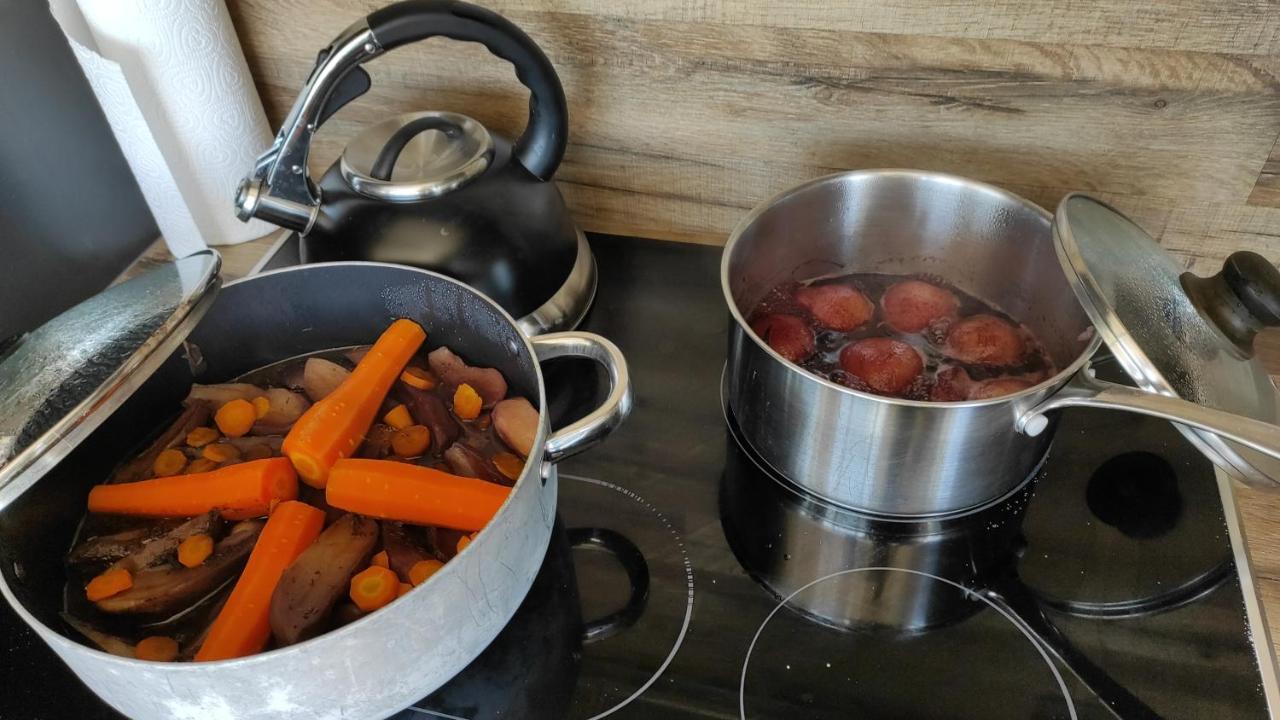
684	113
1239	26
1267	190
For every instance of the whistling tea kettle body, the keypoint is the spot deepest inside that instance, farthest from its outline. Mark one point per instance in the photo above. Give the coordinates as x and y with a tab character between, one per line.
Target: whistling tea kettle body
434	189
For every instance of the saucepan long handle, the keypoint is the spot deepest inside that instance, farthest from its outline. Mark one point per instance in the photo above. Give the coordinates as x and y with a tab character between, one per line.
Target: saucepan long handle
597	424
1084	390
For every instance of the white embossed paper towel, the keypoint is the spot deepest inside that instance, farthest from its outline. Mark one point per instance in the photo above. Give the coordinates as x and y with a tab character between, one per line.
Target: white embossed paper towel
174	85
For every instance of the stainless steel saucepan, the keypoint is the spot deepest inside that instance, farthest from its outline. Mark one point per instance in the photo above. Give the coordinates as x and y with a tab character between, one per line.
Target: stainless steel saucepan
68	423
1086	276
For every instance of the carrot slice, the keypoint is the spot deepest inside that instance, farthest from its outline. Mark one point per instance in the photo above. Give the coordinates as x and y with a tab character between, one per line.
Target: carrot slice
200	465
221	452
238	492
242	626
411	441
422	570
463	542
374	587
398	418
112	582
419	378
404	590
169	462
380	559
261	406
509	465
334	427
201	436
411	493
156	648
467	402
236	417
194	550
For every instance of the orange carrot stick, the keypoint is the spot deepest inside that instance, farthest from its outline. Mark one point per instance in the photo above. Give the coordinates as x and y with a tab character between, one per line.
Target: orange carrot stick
411	493
237	491
243	626
335	426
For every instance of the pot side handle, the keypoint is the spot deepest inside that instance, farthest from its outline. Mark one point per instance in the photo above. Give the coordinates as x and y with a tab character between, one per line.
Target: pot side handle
598	423
1085	390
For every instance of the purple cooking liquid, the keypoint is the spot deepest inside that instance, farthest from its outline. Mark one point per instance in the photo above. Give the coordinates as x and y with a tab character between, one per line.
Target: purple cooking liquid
944	377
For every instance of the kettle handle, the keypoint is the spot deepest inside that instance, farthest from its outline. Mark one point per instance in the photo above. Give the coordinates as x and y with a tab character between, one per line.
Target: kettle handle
542	145
279	189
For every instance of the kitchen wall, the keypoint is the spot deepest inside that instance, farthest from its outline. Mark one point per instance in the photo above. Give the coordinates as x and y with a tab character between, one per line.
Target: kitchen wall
686	113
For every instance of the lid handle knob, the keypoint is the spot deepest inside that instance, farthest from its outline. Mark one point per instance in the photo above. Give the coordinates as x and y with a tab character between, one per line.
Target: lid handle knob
1241	299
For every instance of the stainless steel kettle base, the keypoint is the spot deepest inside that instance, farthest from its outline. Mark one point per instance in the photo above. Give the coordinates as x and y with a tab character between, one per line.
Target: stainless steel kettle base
805	491
569	305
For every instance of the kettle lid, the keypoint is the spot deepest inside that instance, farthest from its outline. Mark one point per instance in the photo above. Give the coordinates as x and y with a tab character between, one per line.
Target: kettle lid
416	156
62	380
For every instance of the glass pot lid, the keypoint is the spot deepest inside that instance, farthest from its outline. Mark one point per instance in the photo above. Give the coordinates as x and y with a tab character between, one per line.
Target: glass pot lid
1175	333
60	381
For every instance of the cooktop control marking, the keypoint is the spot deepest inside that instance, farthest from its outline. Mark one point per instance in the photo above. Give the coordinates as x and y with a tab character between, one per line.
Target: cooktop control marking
746	661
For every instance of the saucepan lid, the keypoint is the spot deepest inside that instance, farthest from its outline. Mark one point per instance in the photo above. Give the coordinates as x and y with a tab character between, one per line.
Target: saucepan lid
61	381
1175	333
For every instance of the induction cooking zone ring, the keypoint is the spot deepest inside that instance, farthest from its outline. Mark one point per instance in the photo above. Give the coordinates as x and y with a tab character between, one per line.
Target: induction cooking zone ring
1208	658
784	538
549	663
855	669
1124	534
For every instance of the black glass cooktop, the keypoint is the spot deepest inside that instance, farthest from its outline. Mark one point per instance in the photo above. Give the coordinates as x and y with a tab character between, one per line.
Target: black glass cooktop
684	581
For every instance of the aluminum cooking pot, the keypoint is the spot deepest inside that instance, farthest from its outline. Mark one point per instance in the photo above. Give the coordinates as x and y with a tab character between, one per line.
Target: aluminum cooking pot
1086	276
386	660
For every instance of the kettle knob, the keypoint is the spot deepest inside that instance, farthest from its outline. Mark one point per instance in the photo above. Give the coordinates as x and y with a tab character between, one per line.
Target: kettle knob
1240	300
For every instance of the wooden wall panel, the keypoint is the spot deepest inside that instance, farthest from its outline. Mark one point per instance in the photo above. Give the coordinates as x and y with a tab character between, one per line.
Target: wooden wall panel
1239	26
686	113
1267	191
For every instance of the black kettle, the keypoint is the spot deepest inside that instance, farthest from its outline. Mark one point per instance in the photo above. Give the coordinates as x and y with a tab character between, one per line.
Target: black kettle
434	190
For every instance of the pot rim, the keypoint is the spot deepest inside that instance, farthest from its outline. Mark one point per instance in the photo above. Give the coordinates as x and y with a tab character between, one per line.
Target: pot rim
338	634
1056	380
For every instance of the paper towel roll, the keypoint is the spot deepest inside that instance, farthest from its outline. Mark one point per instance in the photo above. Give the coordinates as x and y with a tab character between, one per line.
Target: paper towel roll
178	95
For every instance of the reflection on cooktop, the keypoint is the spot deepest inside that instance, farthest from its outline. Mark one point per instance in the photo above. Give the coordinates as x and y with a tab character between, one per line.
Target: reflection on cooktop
986	667
595	603
1137	494
1123	533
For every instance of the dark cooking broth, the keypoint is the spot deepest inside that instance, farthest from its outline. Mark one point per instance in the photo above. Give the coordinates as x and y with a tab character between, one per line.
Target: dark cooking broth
911	336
